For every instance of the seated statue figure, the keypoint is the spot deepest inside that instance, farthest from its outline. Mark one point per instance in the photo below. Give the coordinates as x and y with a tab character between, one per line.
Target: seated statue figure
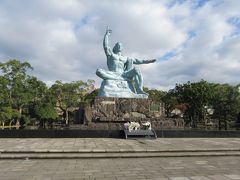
121	79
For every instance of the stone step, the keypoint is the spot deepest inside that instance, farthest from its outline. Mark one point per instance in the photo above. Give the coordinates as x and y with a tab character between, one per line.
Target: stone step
79	155
137	150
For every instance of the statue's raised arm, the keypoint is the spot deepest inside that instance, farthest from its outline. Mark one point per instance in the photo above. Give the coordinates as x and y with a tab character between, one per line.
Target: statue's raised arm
106	47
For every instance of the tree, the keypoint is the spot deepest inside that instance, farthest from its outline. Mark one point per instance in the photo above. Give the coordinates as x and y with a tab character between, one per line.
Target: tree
20	91
14	74
170	101
197	95
3	90
69	95
226	103
5	114
89	98
39	97
46	112
155	94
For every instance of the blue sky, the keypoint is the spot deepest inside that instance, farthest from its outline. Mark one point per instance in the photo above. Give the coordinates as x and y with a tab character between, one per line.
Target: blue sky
191	40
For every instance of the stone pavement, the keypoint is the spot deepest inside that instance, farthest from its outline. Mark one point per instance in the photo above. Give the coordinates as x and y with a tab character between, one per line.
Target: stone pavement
98	158
171	168
113	148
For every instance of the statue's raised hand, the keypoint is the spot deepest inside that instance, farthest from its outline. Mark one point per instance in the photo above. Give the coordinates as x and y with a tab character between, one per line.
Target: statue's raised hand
108	31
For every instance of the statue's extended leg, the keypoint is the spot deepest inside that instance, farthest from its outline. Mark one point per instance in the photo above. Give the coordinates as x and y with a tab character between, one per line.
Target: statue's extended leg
109	75
136	76
139	81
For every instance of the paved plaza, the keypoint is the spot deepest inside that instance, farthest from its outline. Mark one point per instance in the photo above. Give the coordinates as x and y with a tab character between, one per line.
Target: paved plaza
174	158
177	168
116	145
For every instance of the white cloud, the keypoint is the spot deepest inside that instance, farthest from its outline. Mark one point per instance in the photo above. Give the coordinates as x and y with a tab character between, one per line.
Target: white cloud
63	39
210	55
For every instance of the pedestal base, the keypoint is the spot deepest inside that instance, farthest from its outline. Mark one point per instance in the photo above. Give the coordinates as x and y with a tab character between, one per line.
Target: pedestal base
106	109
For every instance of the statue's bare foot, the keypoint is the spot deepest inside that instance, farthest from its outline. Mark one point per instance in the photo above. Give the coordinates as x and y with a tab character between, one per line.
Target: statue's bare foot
142	92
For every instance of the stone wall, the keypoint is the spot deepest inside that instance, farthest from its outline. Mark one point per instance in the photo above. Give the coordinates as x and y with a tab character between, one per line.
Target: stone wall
105	109
111	113
163	123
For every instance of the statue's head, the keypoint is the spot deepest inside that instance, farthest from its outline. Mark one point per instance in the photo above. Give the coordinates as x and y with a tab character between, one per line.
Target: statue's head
117	48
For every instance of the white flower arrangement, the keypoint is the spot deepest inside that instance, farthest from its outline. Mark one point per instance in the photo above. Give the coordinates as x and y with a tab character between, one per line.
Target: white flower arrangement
147	125
132	126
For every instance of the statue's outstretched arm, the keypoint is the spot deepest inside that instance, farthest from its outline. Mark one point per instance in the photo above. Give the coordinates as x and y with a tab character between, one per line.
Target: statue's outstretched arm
106	46
143	61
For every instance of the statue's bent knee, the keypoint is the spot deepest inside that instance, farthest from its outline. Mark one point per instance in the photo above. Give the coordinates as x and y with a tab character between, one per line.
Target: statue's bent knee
137	70
99	72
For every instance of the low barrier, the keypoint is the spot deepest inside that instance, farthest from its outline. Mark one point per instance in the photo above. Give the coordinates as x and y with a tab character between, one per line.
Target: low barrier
10	125
7	133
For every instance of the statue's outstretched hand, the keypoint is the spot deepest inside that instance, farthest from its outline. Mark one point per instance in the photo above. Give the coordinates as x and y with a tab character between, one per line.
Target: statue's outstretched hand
152	60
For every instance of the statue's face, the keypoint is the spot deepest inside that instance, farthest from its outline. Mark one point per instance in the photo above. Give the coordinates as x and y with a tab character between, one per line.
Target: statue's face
118	47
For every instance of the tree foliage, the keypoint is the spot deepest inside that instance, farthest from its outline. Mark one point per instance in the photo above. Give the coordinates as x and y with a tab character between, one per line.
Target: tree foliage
15	87
224	99
197	95
155	94
69	95
23	96
226	103
46	111
170	101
